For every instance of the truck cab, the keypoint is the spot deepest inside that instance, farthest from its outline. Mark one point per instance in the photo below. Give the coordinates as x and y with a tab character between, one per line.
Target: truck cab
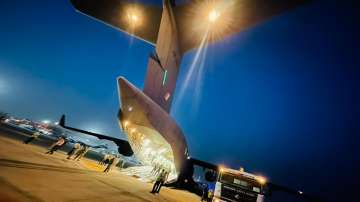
238	186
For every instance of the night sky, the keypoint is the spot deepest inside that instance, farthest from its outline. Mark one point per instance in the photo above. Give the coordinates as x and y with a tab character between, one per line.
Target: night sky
280	99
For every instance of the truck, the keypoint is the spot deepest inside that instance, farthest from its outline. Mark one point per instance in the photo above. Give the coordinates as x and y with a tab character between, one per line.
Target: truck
238	186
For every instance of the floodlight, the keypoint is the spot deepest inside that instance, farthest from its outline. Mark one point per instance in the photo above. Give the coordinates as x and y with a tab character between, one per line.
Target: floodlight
213	16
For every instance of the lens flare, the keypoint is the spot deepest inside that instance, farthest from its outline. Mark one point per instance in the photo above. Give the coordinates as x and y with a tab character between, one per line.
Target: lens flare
194	77
213	16
132	17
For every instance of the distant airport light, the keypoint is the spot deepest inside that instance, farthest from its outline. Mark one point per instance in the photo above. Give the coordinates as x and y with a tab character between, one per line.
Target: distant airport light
46	121
300	192
130	108
213	16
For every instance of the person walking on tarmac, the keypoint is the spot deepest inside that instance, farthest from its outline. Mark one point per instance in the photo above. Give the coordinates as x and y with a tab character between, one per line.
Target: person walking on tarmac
57	145
163	180
82	152
105	159
34	136
160	180
74	150
113	162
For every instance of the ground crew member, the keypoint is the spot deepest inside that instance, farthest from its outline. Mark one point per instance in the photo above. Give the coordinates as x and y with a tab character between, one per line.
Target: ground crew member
104	159
112	164
82	153
75	150
163	180
159	182
34	136
57	145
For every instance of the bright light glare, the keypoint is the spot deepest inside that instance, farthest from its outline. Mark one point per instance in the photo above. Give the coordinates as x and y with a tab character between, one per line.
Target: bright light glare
213	16
46	121
262	180
194	77
216	17
134	17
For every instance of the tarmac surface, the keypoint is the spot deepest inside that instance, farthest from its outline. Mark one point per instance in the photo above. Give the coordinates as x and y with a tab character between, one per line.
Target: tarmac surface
27	174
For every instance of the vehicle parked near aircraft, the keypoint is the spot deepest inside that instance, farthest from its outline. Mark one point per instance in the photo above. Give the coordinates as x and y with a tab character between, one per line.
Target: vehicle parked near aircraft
238	185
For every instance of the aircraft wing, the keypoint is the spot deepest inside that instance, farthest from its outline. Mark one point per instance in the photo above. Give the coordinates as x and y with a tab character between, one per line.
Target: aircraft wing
138	19
124	147
233	16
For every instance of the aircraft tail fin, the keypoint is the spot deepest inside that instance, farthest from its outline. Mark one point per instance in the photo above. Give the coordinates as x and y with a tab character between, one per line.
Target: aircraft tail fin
159	84
62	121
164	62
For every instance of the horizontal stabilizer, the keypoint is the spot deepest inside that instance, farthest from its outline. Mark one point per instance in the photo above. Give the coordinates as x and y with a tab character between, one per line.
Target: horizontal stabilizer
137	19
233	16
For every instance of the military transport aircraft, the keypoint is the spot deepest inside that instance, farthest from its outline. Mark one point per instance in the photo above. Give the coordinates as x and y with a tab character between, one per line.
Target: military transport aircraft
173	29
